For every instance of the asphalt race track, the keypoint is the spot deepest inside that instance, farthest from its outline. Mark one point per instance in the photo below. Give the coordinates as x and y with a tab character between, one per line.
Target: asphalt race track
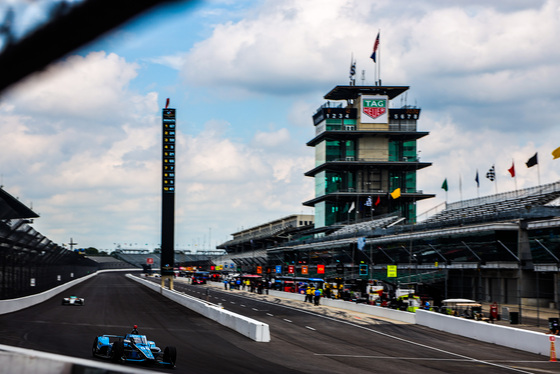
302	341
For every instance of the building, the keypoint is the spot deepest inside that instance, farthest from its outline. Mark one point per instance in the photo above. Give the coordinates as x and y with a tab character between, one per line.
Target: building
366	156
248	248
503	247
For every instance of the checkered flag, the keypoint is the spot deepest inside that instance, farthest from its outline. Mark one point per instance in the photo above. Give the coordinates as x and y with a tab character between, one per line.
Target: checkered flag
491	174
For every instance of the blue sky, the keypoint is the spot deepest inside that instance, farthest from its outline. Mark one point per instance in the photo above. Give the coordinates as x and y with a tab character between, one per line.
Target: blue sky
81	142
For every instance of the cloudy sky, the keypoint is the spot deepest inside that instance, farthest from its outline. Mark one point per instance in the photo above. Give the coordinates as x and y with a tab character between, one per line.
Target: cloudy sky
81	142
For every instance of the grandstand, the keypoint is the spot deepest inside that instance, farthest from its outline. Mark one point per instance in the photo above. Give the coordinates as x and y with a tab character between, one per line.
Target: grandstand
489	207
242	260
268	234
138	260
365	226
30	262
109	262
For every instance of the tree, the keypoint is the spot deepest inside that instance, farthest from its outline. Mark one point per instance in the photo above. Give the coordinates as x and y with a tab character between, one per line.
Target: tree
91	251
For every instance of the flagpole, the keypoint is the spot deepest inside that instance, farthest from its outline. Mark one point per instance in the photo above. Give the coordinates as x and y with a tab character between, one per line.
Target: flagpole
514	174
496	178
477	184
460	188
375	72
379	59
539	173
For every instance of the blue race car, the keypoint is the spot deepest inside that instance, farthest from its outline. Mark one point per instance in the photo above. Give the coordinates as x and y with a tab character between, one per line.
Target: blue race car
133	347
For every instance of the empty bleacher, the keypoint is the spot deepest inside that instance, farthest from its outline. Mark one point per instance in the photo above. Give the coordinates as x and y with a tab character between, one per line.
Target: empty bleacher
366	225
491	206
139	259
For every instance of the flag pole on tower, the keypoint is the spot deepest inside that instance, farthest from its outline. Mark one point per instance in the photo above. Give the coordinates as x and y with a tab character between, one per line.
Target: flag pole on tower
375	56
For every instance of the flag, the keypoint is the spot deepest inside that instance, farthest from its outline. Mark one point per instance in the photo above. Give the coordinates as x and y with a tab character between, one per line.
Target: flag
377	201
491	174
351	207
375	46
512	170
368	201
532	161
556	153
361	243
477	180
167	103
444	185
352	69
396	193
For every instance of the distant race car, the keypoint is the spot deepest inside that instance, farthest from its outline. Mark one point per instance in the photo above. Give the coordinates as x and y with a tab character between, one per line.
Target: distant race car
73	300
198	280
132	347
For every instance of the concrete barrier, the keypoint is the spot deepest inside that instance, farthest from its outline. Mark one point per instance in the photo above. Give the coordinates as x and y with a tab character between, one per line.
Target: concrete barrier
395	315
249	327
529	341
13	305
21	360
377	311
525	340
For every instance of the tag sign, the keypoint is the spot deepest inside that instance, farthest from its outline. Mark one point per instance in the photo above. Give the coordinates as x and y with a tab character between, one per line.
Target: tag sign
374	109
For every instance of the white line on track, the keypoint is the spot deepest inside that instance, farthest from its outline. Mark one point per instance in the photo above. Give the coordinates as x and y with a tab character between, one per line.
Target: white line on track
461	357
418	358
255	309
310	328
268	314
466	358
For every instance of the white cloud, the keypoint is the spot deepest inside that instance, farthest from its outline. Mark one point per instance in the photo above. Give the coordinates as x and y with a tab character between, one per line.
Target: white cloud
87	143
93	87
96	176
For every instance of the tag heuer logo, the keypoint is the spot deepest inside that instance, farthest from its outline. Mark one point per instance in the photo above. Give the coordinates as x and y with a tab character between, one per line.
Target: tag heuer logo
374	108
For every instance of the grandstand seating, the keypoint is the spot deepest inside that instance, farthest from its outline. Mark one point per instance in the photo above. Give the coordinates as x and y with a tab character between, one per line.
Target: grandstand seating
258	257
489	206
366	225
32	263
109	262
139	259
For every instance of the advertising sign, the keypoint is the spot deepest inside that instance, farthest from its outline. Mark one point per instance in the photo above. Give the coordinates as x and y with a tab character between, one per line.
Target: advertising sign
374	109
291	269
320	269
278	269
304	269
391	271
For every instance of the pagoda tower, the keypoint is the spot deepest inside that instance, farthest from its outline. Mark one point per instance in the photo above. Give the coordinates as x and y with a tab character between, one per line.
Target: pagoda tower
366	156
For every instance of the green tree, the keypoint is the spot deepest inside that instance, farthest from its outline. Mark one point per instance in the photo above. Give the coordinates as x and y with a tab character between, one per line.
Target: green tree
91	251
